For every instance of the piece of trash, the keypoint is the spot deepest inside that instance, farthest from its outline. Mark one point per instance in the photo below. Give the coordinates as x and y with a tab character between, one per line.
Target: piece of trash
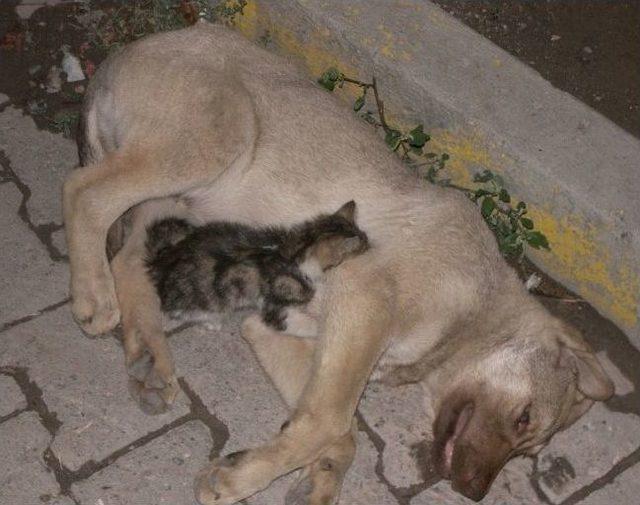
54	82
587	50
555	37
533	282
71	66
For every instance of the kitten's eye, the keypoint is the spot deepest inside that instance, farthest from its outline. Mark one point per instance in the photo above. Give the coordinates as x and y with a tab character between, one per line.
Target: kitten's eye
523	421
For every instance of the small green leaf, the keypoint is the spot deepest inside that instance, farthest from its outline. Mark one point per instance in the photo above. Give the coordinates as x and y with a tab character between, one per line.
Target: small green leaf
484	176
537	240
504	196
445	157
359	103
504	228
488	206
393	139
527	223
330	78
417	137
521	206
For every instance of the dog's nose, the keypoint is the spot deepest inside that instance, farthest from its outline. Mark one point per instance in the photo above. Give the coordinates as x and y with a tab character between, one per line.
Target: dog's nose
472	483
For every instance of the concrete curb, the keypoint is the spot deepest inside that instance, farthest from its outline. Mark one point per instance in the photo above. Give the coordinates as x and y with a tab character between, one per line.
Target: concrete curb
576	169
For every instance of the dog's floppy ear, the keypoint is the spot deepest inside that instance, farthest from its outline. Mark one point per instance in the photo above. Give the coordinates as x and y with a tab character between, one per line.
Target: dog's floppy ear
593	381
348	211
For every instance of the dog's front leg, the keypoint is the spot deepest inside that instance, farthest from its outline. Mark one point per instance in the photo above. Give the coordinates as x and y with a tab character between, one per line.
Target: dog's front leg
354	334
288	361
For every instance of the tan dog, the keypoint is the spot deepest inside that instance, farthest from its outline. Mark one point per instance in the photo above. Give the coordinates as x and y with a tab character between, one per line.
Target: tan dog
203	125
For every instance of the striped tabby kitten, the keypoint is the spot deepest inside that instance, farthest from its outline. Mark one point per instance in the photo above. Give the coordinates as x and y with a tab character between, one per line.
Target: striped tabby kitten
225	266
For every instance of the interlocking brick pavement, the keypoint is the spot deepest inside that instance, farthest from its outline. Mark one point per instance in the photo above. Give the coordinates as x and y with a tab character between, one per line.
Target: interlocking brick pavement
70	434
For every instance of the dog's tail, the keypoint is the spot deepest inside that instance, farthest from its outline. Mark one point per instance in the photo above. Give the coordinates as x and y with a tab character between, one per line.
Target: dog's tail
165	234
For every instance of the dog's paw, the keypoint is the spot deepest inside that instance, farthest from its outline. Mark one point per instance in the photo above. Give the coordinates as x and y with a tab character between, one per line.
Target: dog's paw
231	479
95	306
319	484
153	392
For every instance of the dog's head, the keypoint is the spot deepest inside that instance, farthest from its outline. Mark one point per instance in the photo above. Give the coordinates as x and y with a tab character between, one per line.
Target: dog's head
511	404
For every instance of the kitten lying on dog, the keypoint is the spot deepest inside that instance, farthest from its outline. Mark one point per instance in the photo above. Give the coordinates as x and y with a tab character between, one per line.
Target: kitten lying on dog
229	266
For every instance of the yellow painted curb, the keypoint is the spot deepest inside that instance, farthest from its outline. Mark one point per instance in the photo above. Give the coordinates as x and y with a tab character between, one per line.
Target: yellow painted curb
579	254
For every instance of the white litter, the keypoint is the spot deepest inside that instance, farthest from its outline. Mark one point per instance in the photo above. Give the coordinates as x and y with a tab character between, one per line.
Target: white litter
533	282
71	66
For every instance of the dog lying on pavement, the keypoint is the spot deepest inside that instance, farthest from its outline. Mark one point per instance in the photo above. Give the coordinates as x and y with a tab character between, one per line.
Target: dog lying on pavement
201	125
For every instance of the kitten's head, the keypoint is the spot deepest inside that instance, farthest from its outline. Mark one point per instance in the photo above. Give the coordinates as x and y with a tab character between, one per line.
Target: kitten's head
330	239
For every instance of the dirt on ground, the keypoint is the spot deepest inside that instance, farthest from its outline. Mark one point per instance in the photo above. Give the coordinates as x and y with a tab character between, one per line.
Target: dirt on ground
589	48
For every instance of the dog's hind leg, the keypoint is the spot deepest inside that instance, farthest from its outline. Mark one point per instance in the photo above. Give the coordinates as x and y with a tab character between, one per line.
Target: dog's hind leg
158	160
355	331
152	381
288	360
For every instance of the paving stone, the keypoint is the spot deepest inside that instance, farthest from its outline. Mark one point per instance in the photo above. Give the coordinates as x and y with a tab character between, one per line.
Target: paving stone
401	419
361	485
222	370
84	383
11	398
23	475
56	500
586	451
40	159
511	487
160	472
32	278
625	489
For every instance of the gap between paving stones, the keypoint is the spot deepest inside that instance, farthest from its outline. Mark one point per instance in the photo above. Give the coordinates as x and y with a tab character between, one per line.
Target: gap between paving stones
44	232
31	317
49	420
402	494
604	480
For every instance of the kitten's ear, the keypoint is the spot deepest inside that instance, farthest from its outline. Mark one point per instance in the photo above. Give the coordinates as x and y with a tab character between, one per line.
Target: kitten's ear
290	289
347	211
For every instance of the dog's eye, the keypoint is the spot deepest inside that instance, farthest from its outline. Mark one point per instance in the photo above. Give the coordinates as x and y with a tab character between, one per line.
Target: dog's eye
523	421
